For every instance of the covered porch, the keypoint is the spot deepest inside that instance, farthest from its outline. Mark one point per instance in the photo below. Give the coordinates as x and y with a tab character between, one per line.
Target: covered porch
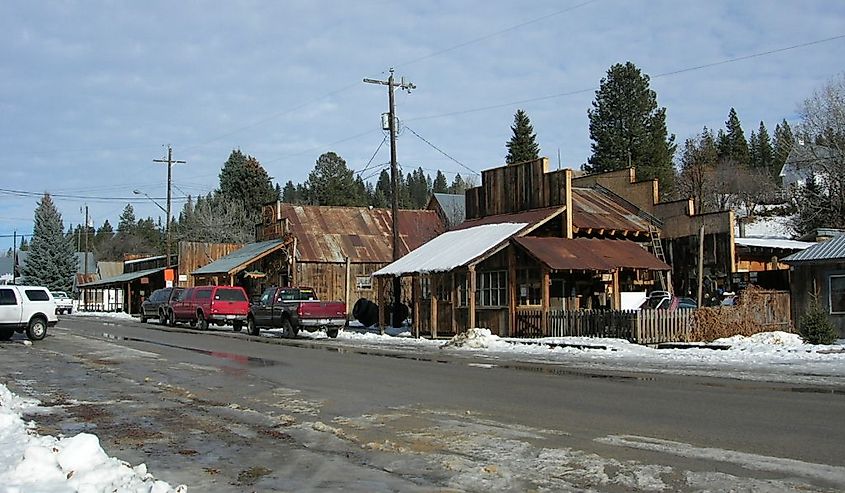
252	267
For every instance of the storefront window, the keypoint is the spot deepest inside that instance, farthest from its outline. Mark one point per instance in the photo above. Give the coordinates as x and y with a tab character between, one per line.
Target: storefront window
492	289
837	294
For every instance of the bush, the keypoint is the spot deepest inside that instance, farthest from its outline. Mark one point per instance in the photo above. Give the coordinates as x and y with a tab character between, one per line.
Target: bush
815	328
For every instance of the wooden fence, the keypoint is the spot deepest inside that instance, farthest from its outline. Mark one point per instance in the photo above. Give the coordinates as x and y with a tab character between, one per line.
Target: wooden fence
639	326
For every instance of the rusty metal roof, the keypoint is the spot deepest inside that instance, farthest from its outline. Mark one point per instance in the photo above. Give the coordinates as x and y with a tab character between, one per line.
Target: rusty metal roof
530	217
593	209
330	234
589	254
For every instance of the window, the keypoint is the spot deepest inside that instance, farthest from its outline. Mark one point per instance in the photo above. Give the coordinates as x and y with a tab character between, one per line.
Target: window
463	287
425	287
528	287
837	294
37	295
7	297
492	288
230	295
363	283
202	294
266	296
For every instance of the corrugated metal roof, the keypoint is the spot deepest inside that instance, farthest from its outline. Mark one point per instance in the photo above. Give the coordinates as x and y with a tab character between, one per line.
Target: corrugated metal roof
248	252
589	253
531	217
123	278
593	209
820	252
453	206
330	234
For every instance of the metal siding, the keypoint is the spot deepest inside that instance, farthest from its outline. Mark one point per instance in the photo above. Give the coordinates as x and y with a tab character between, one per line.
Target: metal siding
224	264
596	210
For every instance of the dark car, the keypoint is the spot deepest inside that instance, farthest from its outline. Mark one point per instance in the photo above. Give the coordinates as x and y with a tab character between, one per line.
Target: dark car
151	307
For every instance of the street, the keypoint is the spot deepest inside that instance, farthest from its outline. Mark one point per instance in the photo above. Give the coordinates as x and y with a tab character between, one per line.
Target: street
224	411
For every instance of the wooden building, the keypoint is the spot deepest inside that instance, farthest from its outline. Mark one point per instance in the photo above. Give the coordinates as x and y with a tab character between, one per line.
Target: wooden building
817	274
532	240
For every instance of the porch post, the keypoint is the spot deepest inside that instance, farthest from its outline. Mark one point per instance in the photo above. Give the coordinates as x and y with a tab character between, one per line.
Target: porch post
432	316
617	296
380	303
471	298
454	303
129	298
544	314
416	294
512	287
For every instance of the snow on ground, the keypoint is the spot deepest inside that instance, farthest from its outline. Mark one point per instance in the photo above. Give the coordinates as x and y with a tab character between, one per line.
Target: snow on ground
31	462
770	356
119	315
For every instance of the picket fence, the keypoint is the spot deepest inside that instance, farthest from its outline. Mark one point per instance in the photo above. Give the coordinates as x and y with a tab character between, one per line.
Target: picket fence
638	326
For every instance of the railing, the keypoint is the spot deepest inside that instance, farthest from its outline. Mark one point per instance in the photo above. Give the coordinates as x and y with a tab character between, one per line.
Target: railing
639	326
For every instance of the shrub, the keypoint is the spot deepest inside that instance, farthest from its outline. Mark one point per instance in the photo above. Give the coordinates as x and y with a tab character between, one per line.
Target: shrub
815	328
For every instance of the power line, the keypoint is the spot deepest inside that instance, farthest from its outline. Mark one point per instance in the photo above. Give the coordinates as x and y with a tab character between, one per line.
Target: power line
441	151
26	193
664	74
372	157
496	33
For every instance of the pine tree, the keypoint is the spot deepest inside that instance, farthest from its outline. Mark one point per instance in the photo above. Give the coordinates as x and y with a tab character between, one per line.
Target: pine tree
732	144
51	262
244	180
629	129
523	144
440	185
126	224
24	245
382	195
289	195
458	185
331	182
814	327
765	152
783	142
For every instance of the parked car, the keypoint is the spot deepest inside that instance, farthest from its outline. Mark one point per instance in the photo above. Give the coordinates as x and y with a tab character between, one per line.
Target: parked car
664	300
293	309
201	306
64	303
151	307
29	309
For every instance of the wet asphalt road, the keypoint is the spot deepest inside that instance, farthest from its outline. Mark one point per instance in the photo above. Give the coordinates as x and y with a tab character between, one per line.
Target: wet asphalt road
221	411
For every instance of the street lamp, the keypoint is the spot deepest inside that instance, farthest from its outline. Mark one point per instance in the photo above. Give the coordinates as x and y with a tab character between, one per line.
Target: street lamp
138	192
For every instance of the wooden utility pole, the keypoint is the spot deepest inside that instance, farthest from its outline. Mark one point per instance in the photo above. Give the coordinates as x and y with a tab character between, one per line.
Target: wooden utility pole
394	174
86	243
700	265
14	254
170	162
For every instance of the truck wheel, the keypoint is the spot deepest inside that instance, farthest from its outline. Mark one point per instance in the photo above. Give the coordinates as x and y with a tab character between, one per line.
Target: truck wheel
237	325
37	329
251	327
6	334
201	321
171	319
331	333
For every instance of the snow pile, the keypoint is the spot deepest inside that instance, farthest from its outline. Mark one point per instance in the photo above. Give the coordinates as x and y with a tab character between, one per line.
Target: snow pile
30	462
477	339
118	315
764	341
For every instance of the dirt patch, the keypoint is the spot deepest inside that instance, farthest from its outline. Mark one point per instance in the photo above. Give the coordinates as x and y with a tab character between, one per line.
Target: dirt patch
278	435
89	413
249	477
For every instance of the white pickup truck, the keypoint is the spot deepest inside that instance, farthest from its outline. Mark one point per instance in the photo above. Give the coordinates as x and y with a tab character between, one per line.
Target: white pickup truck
29	309
64	303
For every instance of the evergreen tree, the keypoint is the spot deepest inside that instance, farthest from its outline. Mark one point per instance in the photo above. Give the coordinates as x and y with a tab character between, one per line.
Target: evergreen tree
245	181
782	146
289	193
24	245
278	192
331	182
103	235
523	144
51	262
732	144
382	194
629	129
126	224
765	152
440	184
458	185
697	168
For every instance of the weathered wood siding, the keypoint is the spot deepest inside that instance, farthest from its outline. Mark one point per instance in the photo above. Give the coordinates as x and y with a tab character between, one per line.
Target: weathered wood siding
193	255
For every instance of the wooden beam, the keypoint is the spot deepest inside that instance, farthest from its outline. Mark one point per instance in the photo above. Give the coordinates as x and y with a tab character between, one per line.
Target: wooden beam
454	304
512	287
434	283
471	297
544	289
380	303
568	228
416	294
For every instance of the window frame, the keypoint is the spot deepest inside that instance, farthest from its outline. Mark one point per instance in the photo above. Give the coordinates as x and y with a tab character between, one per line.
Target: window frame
830	298
491	289
14	297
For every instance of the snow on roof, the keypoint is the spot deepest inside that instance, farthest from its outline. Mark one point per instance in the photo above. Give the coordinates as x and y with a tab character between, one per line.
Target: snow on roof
774	243
768	227
451	249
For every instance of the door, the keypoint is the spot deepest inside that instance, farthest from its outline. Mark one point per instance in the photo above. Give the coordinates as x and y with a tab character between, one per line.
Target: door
262	311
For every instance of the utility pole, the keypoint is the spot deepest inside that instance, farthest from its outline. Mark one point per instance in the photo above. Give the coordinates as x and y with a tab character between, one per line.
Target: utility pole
14	254
394	173
86	243
170	162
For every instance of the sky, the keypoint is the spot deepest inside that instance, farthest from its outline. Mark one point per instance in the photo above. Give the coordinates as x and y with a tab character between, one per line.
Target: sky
92	92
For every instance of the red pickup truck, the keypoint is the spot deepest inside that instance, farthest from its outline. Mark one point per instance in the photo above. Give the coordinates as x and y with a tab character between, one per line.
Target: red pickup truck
293	309
221	305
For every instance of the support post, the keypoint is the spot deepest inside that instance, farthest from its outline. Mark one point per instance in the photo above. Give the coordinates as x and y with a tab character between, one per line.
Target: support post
348	287
471	298
416	293
434	282
544	288
700	264
454	304
380	303
512	292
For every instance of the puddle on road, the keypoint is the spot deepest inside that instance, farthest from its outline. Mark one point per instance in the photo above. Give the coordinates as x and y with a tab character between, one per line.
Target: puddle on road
234	357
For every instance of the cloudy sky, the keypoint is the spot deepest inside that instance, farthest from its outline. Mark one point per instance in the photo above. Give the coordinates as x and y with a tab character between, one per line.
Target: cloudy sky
91	92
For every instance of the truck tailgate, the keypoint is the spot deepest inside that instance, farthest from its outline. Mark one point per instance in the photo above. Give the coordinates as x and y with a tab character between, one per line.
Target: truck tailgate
322	309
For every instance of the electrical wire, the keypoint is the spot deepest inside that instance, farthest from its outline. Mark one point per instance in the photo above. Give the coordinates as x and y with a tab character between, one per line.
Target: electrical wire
372	157
441	151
